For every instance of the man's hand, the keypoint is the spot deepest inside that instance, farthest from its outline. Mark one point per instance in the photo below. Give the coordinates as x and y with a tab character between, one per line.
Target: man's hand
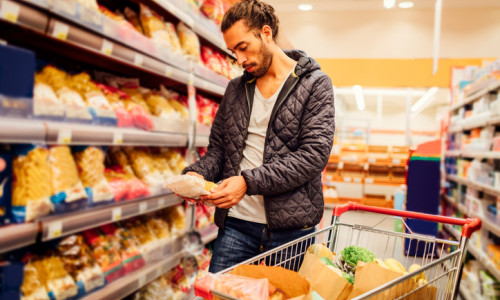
228	193
190	200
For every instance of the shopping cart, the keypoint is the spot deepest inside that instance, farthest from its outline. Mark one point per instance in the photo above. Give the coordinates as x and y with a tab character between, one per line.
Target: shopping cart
442	260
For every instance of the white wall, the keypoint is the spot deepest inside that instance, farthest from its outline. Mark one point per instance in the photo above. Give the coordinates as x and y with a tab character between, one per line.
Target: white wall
466	33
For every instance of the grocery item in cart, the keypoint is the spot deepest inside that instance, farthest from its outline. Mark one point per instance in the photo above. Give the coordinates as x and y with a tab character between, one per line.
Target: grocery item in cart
68	193
189	42
31	186
80	264
189	186
90	163
74	105
54	278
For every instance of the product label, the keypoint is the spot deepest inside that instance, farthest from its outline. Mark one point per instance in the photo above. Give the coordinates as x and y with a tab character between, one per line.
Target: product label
107	47
143	207
117	138
64	136
138	59
9	11
60	31
116	214
54	230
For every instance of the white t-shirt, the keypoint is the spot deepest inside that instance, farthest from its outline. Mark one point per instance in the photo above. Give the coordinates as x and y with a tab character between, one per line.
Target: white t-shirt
251	208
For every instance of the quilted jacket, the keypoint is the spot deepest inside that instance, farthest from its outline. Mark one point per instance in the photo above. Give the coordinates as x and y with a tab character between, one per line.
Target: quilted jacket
297	146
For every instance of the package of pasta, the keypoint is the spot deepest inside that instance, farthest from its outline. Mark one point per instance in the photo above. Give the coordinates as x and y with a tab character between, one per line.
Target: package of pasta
115	96
159	105
53	276
68	193
31	185
149	244
79	263
176	160
74	106
46	104
105	250
189	42
176	218
98	105
143	165
127	244
138	107
32	288
156	29
189	186
90	165
173	98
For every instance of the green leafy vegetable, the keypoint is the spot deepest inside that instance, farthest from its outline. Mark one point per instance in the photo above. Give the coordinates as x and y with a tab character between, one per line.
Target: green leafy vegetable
353	254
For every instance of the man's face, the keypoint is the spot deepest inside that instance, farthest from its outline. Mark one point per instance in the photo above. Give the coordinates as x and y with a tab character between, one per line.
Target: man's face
252	52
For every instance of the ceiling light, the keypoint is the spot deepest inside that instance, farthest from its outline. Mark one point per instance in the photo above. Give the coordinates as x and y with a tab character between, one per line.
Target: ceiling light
358	95
305	7
406	4
389	3
424	100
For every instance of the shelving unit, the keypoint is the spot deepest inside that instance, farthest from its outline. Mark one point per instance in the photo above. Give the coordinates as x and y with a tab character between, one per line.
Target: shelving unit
209	233
475	185
477	93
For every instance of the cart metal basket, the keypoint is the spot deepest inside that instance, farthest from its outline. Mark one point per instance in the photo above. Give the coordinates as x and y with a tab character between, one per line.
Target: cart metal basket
441	260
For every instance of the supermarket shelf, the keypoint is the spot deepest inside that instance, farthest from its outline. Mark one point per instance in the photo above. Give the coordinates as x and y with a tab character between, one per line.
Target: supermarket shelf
105	48
79	134
493	86
473	154
477	253
451	201
464	292
132	282
17	235
475	185
61	225
27	131
209	233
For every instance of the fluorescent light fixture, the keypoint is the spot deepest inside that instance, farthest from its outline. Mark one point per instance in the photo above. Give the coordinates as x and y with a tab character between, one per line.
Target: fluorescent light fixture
358	95
376	92
389	3
305	7
405	4
425	100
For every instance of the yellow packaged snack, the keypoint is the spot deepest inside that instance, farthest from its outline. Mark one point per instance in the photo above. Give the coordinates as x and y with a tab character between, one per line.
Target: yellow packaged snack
156	29
54	278
32	186
174	39
159	105
136	98
90	163
176	161
189	42
144	167
159	227
68	191
32	288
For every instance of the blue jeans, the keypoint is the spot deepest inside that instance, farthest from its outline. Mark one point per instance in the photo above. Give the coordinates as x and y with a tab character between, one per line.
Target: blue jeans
240	240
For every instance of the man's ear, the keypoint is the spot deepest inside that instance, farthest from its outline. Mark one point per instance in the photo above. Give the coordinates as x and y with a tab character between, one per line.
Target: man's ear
266	33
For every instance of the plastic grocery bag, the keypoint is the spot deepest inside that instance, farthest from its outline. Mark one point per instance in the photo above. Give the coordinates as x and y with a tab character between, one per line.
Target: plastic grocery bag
189	186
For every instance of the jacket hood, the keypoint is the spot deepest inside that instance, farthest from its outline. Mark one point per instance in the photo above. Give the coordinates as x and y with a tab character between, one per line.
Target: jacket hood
305	64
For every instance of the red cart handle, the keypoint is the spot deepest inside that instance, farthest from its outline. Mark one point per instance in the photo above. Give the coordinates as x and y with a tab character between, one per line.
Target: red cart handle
469	225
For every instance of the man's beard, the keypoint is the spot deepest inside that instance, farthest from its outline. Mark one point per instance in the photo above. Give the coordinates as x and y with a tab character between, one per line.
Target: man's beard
266	60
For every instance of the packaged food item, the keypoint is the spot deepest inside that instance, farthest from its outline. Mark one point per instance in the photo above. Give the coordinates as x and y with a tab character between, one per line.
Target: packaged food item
90	164
127	246
158	226
45	101
173	99
149	245
74	105
176	218
174	39
5	187
156	29
176	160
189	186
106	253
97	103
159	105
161	164
143	165
68	191
214	9
138	107
89	4
205	110
31	185
115	98
189	42
210	59
133	18
54	278
241	287
32	288
79	263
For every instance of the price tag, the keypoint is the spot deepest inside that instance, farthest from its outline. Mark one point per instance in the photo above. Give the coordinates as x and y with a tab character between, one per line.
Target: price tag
142	281
161	202
369	180
138	59
347	179
55	230
117	214
117	138
357	180
9	11
66	6
107	47
143	207
60	31
90	16
372	160
64	136
168	71
396	161
191	79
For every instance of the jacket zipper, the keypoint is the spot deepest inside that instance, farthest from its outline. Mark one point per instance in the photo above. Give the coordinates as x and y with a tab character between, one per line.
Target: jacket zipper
273	113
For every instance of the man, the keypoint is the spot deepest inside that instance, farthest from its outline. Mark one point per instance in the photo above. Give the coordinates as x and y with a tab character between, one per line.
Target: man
270	140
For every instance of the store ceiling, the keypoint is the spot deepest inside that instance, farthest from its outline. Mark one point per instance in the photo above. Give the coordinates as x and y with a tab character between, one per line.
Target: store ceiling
330	5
